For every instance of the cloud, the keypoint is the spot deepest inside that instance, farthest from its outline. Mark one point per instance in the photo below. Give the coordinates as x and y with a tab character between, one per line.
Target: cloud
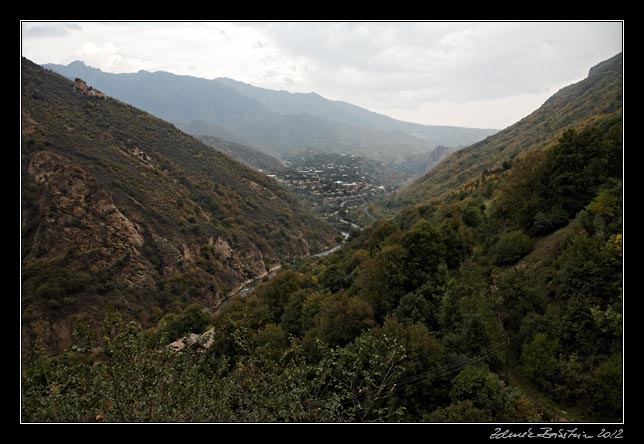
403	68
456	61
50	30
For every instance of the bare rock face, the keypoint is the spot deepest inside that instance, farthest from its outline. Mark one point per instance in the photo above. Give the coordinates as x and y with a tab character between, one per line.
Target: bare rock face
247	262
222	247
81	86
79	215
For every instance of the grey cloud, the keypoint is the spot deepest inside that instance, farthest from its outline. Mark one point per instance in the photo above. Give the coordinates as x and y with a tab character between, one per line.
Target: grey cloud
379	65
50	30
456	61
47	31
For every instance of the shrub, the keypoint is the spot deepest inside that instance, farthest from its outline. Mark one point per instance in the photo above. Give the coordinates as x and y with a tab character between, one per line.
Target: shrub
511	247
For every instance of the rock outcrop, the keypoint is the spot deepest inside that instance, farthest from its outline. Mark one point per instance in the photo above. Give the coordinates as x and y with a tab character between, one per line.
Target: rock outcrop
83	88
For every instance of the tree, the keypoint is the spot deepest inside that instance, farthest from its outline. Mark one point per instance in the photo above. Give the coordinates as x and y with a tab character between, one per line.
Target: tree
362	376
278	291
342	318
381	280
463	411
579	164
194	319
425	252
483	388
518	198
511	247
422	384
540	360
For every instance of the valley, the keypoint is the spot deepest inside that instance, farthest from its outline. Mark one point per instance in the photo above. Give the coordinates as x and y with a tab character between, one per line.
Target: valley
335	184
196	248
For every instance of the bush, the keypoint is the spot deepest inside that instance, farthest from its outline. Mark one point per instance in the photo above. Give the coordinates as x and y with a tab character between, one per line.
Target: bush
480	386
194	319
511	247
342	318
539	359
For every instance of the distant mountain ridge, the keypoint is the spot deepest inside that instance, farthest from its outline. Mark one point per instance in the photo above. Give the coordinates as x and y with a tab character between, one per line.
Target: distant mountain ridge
277	122
285	102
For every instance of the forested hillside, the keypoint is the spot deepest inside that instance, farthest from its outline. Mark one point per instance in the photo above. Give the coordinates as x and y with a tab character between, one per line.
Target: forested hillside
417	318
122	210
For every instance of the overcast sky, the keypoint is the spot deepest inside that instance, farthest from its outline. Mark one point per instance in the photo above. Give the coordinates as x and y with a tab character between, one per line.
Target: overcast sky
486	75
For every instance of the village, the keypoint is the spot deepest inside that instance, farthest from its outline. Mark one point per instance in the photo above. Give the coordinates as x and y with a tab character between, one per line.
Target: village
333	182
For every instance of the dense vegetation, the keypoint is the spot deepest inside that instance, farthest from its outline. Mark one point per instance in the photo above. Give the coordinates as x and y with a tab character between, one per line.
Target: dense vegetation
411	321
501	302
121	209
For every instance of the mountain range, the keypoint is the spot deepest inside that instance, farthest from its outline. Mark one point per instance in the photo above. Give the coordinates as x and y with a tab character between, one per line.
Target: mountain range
279	123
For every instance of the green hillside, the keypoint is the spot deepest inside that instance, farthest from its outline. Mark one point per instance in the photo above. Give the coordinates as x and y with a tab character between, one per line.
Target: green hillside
502	302
121	209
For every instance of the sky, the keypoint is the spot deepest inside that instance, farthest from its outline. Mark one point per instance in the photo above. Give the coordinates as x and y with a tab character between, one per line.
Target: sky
473	74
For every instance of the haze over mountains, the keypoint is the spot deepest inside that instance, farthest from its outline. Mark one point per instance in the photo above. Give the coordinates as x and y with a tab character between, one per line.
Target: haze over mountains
279	123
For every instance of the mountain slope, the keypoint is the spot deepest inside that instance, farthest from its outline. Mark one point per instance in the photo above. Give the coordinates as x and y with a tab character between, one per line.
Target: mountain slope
428	316
170	97
577	105
122	209
285	103
246	155
199	105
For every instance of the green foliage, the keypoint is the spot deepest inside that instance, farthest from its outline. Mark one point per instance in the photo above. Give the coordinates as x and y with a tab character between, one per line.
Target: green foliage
278	293
480	386
463	411
587	269
540	359
464	317
341	318
579	165
364	373
381	280
607	388
423	383
415	308
518	199
511	247
194	319
425	252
